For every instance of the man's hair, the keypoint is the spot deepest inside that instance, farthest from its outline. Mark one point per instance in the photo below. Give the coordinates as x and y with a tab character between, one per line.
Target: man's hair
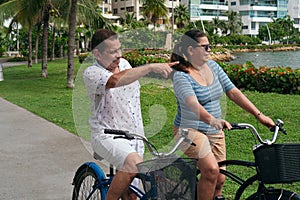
101	35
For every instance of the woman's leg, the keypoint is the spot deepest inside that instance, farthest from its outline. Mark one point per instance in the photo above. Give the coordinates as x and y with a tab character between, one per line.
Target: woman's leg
206	162
208	180
218	147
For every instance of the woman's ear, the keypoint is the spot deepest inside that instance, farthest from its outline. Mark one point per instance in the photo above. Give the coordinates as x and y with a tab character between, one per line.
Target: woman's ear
190	50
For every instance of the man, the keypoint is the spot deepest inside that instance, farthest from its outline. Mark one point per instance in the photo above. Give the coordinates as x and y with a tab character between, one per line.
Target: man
114	92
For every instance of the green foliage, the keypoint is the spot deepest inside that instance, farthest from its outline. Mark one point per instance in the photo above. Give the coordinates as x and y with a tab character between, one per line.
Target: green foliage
144	56
82	57
263	79
50	99
2	50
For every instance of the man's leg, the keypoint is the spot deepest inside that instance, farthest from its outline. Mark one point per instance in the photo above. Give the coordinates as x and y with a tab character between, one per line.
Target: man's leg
124	177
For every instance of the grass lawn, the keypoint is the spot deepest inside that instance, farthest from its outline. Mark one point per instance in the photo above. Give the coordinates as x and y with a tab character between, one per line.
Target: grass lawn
69	109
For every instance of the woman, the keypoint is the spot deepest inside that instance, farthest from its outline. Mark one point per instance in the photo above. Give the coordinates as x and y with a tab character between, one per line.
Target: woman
199	84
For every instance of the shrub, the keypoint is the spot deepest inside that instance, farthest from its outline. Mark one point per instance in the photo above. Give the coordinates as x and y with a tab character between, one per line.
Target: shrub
263	79
82	57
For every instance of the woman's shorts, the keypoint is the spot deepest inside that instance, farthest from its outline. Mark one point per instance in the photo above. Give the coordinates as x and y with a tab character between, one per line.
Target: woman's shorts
205	144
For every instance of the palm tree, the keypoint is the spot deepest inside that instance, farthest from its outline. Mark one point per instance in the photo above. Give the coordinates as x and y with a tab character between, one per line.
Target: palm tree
181	16
234	22
217	23
23	12
71	44
155	10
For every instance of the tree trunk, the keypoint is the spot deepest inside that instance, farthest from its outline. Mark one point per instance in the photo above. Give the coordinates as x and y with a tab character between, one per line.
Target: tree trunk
36	55
30	47
71	44
53	44
61	51
45	42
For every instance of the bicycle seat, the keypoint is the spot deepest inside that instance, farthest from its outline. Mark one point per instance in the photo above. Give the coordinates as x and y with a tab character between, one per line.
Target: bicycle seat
97	156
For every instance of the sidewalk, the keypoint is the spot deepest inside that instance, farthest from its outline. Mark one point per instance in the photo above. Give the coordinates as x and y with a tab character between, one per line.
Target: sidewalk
37	158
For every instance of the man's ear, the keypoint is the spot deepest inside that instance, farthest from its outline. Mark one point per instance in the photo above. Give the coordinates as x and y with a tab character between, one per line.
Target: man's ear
96	53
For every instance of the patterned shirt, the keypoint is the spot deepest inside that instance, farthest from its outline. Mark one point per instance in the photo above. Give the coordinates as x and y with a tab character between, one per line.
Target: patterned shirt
208	96
115	108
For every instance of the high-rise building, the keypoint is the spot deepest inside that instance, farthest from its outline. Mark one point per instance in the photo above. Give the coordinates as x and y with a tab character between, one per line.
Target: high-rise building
257	13
294	12
206	10
254	13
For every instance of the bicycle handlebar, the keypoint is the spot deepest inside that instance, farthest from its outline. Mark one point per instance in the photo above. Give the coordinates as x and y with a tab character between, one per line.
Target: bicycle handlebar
277	128
120	134
129	136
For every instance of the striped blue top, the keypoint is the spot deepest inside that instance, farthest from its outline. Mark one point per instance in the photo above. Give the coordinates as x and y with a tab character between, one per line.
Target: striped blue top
210	97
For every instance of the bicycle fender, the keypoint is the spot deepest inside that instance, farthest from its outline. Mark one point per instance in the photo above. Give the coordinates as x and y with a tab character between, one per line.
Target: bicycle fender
98	171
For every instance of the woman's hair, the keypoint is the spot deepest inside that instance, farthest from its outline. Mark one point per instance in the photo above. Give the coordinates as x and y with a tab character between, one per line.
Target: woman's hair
101	35
190	38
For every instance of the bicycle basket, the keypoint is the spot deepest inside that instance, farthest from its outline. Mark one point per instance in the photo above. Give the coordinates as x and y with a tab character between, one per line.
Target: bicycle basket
278	163
169	178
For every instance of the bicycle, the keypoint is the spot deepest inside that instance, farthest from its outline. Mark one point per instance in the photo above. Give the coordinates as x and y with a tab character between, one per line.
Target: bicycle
165	176
273	164
285	156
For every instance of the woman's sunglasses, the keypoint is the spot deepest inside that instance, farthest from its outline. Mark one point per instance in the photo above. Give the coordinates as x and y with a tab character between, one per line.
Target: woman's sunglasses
205	46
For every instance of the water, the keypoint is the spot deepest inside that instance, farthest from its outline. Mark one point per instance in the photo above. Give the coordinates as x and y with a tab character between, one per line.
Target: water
269	59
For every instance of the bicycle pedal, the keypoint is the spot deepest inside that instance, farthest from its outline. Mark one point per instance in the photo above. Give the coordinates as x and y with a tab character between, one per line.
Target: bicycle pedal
221	197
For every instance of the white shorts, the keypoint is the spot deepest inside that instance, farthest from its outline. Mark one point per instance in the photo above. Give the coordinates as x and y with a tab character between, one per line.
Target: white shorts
115	151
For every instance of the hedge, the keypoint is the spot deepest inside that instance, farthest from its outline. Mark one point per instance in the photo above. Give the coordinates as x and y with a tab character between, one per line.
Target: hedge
283	80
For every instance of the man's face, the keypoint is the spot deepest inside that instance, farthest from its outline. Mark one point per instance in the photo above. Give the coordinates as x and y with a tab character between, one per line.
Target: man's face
110	57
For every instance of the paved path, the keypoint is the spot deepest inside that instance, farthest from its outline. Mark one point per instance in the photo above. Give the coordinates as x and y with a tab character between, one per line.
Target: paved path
37	158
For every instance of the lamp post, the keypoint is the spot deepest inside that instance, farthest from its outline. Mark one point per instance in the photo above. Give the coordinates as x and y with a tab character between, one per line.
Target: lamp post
270	40
203	29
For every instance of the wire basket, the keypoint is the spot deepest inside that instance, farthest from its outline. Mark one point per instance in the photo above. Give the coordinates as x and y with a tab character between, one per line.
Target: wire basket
278	163
169	178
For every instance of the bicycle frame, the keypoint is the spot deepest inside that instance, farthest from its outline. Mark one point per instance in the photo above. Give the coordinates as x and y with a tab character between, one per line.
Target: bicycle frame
100	176
261	191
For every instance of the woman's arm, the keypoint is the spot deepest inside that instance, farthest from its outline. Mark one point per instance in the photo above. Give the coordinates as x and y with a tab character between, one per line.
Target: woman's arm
193	104
241	100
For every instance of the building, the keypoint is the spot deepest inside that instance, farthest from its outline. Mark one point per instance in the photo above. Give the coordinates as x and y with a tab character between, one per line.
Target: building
120	7
206	10
257	13
294	12
254	13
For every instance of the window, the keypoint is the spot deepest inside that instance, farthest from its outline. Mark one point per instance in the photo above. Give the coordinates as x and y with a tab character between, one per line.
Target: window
233	3
129	9
253	26
115	11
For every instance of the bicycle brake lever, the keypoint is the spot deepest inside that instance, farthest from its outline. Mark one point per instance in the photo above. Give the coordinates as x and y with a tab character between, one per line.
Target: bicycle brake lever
282	130
236	126
124	137
189	141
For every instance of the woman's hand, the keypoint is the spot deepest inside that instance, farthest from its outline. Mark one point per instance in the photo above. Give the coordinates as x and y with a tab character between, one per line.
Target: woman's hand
220	124
265	120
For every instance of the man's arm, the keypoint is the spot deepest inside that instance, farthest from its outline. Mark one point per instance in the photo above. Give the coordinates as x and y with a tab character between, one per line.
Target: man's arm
128	76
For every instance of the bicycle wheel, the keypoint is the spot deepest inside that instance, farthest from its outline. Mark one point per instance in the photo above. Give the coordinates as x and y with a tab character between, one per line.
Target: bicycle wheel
84	183
274	194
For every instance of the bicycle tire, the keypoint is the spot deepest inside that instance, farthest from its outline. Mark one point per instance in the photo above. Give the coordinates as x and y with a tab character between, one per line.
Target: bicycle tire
84	183
274	194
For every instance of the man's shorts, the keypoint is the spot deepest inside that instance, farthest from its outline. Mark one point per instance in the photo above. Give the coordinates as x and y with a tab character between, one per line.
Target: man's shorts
115	151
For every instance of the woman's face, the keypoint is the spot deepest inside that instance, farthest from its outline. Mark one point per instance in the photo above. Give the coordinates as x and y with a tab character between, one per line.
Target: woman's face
199	54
